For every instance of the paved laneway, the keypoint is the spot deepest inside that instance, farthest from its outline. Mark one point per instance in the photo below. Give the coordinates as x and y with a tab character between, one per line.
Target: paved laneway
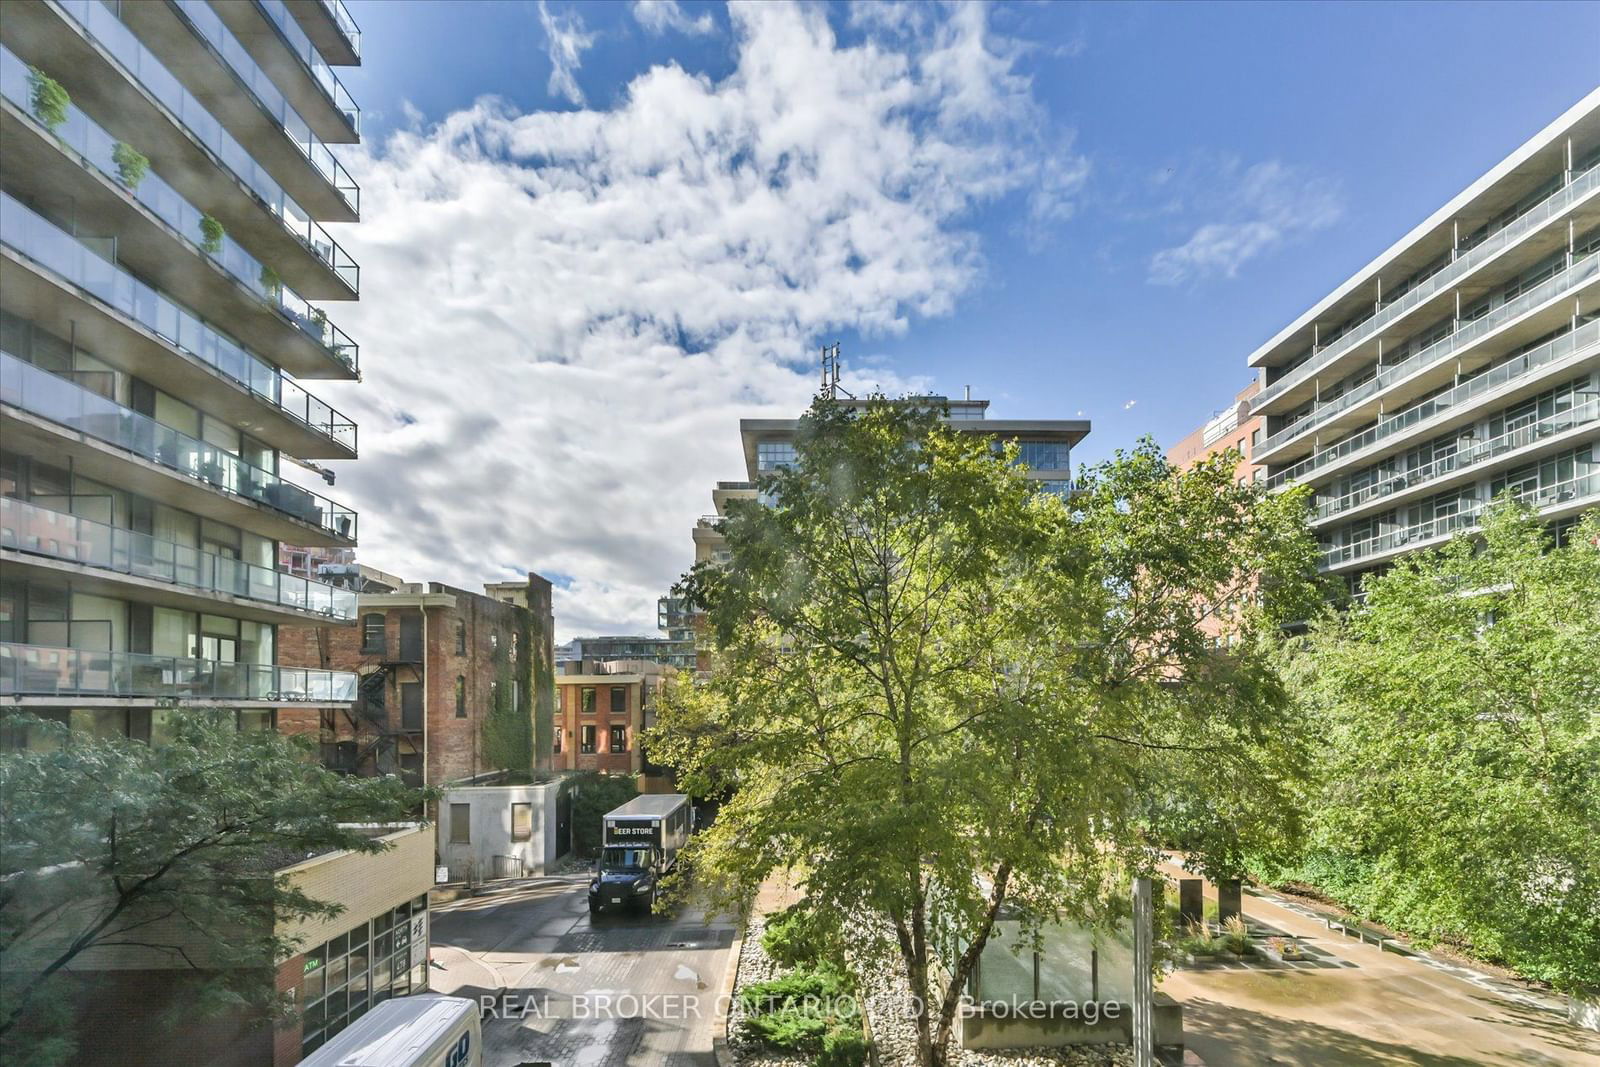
629	989
1354	1005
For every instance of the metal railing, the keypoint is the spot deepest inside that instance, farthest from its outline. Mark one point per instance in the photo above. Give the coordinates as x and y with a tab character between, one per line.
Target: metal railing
60	401
346	24
1551	351
1466	457
1581	185
36	238
295	37
99	148
208	24
1574	275
140	65
45	671
1578	488
41	531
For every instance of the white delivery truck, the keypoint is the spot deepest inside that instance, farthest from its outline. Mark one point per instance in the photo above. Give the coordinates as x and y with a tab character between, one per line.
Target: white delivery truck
639	843
422	1030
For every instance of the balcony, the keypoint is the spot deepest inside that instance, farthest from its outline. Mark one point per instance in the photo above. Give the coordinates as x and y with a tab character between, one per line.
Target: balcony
142	104
157	566
1579	273
212	94
159	234
331	28
280	46
1579	188
155	338
1552	501
52	674
221	71
209	480
1531	365
1468	457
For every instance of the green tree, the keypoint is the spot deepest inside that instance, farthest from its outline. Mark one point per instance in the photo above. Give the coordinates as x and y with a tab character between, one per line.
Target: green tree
943	692
1460	794
113	846
594	794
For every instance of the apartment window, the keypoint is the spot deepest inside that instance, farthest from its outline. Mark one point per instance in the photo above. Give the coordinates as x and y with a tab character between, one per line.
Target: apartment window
619	700
411	705
461	696
586	698
461	638
1044	455
586	739
372	634
522	822
461	824
619	739
771	455
556	747
1255	439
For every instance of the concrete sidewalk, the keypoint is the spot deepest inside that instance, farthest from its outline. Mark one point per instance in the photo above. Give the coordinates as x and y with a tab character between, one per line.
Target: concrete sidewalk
1362	1006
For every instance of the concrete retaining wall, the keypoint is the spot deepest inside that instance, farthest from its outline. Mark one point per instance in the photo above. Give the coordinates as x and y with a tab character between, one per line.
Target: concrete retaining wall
1064	1024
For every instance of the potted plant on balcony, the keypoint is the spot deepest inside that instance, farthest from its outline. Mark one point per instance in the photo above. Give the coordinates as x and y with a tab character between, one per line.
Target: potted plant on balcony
131	164
211	235
48	99
271	284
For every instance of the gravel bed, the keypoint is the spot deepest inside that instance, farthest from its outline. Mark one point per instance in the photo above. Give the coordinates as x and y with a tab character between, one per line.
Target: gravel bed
884	991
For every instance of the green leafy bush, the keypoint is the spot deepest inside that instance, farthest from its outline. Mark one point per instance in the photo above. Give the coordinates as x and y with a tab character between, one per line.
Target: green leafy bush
131	164
791	1029
843	1046
799	937
48	99
270	281
594	794
211	234
822	982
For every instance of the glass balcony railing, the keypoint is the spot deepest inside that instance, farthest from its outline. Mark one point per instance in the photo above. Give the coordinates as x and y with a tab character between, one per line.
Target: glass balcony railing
42	532
278	12
97	146
141	66
1555	349
1581	185
50	397
41	671
347	24
1467	456
208	24
53	248
1581	487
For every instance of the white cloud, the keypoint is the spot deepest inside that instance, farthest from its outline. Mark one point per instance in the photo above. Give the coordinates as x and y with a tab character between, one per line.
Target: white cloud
565	313
1263	206
659	16
565	41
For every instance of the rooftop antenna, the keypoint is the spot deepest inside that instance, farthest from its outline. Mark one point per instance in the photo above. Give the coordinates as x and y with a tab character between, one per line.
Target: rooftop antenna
830	373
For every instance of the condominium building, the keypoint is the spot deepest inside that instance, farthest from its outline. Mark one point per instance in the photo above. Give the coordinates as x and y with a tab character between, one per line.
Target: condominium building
1234	427
167	295
1461	363
580	653
1045	446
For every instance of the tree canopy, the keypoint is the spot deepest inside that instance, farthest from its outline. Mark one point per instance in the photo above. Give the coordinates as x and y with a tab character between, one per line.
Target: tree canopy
115	846
942	692
1460	778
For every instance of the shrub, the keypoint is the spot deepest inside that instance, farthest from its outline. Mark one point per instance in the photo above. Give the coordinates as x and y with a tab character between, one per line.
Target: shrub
211	234
131	164
799	937
822	982
843	1046
790	1029
48	99
1236	936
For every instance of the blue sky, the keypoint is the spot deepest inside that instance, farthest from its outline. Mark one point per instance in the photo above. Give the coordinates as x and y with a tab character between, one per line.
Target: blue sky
1069	207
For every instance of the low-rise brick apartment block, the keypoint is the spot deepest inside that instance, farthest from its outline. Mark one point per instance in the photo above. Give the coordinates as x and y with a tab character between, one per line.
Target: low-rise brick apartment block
453	685
600	715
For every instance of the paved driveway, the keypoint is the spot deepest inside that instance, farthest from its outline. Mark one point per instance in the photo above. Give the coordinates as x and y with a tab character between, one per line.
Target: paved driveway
628	989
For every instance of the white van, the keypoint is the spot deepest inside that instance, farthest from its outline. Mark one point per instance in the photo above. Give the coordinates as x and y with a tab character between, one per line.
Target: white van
422	1030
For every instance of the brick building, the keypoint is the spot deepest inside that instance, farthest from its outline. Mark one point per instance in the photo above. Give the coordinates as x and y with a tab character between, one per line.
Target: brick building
1233	427
450	684
600	715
